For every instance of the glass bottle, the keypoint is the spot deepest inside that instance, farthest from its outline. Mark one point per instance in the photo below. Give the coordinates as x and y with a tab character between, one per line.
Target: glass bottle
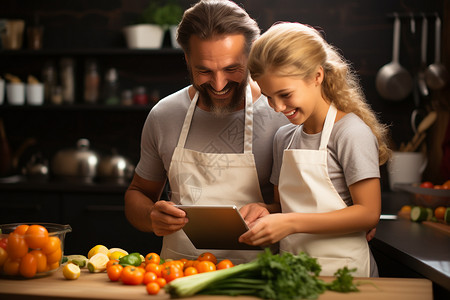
49	77
67	80
111	87
91	82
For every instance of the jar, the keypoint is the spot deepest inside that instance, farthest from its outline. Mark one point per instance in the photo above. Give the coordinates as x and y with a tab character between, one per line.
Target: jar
91	82
140	96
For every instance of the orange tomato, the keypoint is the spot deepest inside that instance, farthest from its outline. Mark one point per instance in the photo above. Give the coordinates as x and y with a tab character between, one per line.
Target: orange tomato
41	260
190	271
21	229
224	264
28	266
53	266
36	236
3	256
161	282
439	212
53	243
446	185
154	268
149	277
11	266
114	272
152	288
438	187
55	256
208	257
171	272
152	258
132	275
17	246
112	262
189	263
206	266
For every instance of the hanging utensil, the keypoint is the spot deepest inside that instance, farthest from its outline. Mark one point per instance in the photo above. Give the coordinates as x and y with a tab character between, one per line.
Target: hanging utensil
436	74
393	82
423	59
420	134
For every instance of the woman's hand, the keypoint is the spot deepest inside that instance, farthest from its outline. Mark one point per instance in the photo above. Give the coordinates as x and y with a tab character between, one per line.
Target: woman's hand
253	211
267	230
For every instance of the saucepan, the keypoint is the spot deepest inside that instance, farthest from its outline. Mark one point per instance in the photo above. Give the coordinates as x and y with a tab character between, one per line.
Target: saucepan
436	74
394	82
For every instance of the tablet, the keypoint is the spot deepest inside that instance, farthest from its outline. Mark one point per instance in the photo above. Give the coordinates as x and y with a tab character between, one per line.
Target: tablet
215	227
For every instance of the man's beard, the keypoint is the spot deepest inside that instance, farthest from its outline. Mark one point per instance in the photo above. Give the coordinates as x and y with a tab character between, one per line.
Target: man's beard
222	110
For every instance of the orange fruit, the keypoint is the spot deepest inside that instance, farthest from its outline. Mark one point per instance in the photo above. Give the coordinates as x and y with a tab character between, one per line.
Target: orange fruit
36	236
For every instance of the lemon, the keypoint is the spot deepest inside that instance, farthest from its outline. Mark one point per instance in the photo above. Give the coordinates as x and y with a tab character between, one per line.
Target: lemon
98	249
71	271
97	263
116	253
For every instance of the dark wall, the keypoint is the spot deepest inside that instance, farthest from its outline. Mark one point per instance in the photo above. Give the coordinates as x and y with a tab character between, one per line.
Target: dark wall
361	29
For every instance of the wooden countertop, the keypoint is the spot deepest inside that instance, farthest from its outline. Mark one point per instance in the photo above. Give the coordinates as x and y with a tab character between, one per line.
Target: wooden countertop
98	286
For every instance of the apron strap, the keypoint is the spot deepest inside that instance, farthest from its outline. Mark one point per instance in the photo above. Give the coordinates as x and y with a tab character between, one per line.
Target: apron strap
328	127
248	125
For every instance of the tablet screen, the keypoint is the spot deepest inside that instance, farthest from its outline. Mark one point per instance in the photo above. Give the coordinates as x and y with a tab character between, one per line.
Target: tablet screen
215	227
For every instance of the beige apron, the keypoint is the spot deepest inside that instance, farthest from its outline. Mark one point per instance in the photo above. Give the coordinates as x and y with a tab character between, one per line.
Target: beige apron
305	186
212	179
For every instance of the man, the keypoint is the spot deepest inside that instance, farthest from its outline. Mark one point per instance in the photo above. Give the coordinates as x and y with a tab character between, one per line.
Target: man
211	140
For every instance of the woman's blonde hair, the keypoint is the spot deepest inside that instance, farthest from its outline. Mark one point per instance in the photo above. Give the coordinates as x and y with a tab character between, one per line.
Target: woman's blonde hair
293	49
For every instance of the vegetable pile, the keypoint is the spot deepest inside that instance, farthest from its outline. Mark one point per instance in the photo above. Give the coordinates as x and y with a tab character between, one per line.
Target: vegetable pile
270	276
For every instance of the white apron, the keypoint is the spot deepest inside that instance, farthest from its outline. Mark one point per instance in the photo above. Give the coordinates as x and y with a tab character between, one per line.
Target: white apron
212	179
305	186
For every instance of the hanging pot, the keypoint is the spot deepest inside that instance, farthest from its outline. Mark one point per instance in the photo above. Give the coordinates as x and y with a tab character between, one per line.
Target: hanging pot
436	74
78	165
393	82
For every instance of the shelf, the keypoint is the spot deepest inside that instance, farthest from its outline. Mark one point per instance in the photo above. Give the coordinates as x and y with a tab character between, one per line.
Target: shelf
75	107
102	51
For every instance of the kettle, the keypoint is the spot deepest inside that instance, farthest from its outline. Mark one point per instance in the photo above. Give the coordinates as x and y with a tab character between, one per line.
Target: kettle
77	165
115	168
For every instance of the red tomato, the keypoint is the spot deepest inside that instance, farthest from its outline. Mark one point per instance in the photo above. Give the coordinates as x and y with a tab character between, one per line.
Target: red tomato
207	256
172	272
152	258
224	264
3	243
132	275
28	266
427	185
152	288
114	272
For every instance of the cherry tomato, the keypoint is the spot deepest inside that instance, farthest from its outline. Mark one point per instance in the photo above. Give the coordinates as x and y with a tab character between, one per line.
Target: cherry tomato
190	271
132	275
3	256
53	243
154	268
189	263
171	272
36	236
206	266
21	229
54	257
427	185
17	247
152	288
112	262
114	272
161	282
11	266
207	256
3	243
28	266
41	260
152	258
149	277
224	264
446	185
438	187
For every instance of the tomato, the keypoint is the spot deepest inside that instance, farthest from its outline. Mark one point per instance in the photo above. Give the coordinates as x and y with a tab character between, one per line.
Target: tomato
439	212
171	272
161	282
11	266
446	185
3	243
152	288
41	260
112	262
152	258
21	229
224	264
190	271
54	256
3	256
114	272
149	277
36	236
53	266
189	263
427	185
53	243
132	275
17	246
28	266
206	266
438	187
406	209
154	268
208	257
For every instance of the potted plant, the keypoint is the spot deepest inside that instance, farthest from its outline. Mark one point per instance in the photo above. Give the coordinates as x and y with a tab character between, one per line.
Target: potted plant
152	24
